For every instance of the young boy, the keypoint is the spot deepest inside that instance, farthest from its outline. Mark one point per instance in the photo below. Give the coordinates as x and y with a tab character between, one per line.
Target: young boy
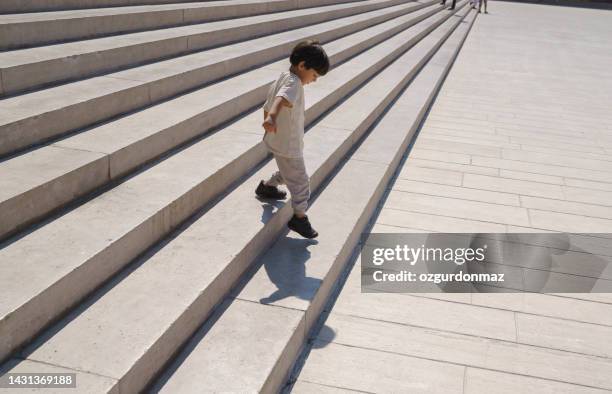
284	131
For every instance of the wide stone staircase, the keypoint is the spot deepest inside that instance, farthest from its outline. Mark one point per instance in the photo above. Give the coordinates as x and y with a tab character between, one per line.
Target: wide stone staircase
133	250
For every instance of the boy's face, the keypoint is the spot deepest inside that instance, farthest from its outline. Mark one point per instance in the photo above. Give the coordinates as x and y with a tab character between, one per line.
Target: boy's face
307	75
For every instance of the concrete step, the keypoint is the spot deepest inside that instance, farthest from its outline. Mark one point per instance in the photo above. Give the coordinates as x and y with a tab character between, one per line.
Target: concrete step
251	343
192	271
34	29
75	60
25	6
39	116
63	263
36	183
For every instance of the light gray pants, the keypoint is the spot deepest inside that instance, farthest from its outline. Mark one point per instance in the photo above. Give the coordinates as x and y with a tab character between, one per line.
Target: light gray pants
292	172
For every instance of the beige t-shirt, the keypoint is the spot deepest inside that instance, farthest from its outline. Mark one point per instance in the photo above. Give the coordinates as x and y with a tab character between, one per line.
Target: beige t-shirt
288	141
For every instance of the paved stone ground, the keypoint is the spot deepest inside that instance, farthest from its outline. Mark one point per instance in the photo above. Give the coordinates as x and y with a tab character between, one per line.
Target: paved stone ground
519	139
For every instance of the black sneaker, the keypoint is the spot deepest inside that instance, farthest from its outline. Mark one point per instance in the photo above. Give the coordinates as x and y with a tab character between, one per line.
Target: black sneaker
265	191
302	226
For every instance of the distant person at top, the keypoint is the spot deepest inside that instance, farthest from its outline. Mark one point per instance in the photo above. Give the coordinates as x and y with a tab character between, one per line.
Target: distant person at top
485	6
452	7
284	132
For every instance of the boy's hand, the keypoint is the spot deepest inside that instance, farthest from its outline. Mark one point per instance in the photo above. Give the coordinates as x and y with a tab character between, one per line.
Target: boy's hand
269	125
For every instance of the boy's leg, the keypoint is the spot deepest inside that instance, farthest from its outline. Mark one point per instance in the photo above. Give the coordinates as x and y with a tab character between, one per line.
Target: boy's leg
268	189
293	173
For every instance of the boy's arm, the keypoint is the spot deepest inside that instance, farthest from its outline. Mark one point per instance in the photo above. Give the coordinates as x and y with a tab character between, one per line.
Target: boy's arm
269	123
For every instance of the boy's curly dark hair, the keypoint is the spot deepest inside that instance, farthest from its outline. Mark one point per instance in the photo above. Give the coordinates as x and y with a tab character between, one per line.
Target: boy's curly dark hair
312	54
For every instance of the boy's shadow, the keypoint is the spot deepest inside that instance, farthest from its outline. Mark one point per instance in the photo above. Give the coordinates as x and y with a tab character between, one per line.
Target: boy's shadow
287	270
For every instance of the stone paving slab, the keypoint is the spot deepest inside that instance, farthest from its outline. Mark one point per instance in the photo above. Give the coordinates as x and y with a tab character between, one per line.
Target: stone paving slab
564	334
546	169
440	156
481	381
472	194
568	207
434	175
458	167
303	387
393	336
528	176
520	124
435	223
598	154
372	371
459	208
546	305
588	185
521	187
